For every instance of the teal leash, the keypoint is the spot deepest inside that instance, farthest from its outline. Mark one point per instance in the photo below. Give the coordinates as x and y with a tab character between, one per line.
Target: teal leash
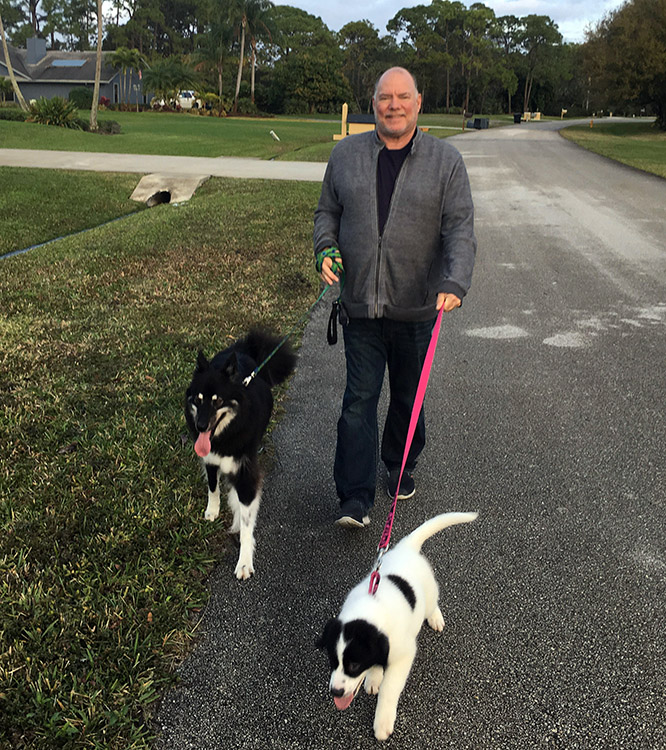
256	370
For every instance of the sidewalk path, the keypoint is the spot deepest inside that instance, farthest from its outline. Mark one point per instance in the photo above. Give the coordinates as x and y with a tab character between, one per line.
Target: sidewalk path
222	166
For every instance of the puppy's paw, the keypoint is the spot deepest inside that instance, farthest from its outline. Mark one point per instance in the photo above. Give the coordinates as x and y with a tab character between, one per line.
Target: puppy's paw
384	727
436	620
373	680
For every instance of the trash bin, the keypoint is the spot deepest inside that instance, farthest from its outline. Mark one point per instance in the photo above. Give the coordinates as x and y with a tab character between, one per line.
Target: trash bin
480	123
517	117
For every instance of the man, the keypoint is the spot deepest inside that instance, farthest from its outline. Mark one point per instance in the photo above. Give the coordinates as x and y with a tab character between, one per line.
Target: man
396	203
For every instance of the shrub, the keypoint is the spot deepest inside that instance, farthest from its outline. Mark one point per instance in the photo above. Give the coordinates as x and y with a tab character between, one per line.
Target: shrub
56	111
108	127
13	114
81	97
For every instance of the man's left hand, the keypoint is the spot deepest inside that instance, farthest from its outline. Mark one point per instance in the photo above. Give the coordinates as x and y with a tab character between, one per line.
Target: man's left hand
448	301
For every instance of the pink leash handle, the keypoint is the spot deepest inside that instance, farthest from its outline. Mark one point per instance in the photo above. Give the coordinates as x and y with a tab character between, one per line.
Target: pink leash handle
416	411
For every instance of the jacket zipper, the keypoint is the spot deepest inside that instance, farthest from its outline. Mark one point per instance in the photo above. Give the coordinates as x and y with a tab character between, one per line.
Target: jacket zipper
379	260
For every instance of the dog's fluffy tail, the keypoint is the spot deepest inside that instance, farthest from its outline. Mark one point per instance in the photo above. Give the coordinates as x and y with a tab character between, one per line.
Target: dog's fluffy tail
259	344
431	527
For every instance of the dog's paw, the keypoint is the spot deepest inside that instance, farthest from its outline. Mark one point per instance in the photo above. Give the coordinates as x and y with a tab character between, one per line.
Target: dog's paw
384	727
373	680
436	620
244	568
211	514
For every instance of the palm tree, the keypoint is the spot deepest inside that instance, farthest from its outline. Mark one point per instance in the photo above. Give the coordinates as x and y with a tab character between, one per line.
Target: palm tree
98	69
238	19
215	49
258	26
17	91
165	78
127	60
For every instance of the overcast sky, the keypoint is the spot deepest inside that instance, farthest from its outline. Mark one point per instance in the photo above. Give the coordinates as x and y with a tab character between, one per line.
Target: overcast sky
571	16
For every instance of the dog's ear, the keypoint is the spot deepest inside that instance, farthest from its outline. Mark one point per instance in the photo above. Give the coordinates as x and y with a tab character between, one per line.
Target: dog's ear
331	633
202	362
231	369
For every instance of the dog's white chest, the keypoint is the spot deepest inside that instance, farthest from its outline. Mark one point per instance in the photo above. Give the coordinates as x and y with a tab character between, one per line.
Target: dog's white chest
226	464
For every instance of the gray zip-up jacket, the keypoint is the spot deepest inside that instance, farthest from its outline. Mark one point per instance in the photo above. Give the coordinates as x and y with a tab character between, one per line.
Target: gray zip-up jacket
428	244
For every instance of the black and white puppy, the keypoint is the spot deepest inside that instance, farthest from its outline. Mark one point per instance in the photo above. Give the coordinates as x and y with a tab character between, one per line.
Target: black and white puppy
227	418
373	639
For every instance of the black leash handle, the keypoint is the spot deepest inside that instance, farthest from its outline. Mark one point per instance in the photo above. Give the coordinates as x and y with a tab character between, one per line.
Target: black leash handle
332	332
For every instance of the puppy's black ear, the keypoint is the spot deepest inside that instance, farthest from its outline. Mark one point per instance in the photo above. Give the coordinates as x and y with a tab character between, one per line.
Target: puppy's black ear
231	368
331	633
202	362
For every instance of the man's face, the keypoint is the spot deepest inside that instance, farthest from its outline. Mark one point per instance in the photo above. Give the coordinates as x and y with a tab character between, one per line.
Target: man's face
397	105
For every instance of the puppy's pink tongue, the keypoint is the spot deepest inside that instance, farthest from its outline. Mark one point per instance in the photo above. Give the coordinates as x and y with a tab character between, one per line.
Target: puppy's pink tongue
344	702
202	445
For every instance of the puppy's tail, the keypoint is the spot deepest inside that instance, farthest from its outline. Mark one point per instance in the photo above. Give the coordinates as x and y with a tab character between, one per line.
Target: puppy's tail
416	539
259	345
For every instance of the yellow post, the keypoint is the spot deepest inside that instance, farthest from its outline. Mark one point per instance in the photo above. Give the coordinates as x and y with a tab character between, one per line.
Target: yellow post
591	123
343	129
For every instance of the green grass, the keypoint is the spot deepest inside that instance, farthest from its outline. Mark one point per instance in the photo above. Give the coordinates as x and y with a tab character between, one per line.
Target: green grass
103	548
37	205
192	135
638	144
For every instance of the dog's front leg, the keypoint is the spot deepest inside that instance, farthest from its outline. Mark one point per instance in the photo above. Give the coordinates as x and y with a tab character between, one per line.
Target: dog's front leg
395	677
248	519
213	507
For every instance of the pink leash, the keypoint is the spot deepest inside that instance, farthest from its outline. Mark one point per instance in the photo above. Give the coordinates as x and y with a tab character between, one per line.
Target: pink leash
416	410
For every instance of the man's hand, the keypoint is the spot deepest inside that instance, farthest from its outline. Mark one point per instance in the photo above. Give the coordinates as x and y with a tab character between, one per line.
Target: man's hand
448	301
327	275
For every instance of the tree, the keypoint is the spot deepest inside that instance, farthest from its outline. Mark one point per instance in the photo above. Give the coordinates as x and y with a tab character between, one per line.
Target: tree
17	91
537	39
127	60
625	57
259	26
98	68
360	43
166	77
214	45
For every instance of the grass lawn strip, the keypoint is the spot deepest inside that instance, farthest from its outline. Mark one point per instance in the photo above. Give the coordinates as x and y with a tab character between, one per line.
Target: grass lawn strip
104	551
191	135
638	145
37	205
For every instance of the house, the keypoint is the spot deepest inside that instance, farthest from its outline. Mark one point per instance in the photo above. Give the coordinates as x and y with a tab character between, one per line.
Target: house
49	73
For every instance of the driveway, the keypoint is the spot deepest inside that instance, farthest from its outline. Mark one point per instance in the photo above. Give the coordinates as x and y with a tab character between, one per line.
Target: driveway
546	414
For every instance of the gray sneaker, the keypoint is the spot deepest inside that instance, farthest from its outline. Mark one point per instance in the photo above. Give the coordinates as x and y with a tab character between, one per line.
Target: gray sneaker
353	515
407	488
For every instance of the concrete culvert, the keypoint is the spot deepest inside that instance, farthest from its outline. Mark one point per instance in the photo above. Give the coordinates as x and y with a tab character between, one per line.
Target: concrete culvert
162	196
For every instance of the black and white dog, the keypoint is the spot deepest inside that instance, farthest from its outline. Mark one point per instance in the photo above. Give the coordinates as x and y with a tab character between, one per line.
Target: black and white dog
227	417
374	636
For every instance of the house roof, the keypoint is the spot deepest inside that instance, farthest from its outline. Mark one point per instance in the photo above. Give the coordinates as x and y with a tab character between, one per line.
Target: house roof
57	67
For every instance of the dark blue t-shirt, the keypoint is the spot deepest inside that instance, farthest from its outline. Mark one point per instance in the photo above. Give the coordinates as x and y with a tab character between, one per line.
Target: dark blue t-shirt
389	163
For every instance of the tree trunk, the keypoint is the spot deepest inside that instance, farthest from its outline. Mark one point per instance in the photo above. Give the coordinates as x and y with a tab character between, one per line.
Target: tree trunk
98	69
17	91
240	66
254	65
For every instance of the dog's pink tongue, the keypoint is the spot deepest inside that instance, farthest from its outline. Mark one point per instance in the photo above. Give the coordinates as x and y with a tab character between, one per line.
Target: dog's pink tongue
344	702
202	445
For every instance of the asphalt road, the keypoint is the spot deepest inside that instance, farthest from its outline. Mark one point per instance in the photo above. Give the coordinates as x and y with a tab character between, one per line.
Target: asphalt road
546	414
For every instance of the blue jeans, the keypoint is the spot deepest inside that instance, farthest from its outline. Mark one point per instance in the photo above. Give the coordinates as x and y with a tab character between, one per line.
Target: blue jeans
372	345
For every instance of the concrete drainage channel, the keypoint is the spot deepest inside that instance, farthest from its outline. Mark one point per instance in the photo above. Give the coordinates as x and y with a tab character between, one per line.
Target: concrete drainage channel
153	190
